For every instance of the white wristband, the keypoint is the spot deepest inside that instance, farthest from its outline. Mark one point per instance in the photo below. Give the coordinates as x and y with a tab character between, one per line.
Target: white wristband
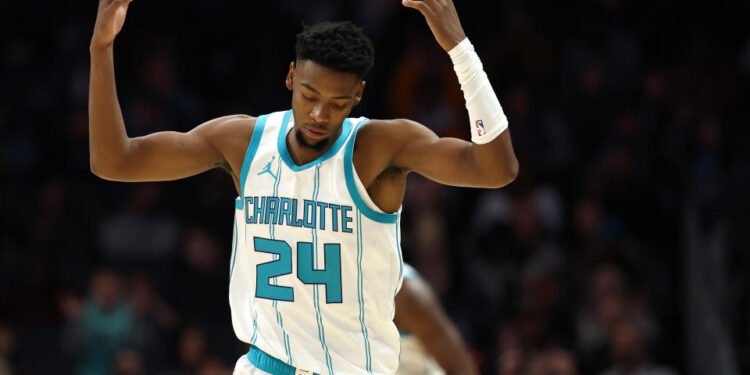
485	113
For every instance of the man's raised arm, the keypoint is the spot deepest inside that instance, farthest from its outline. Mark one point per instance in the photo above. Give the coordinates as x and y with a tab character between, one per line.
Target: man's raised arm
487	161
158	156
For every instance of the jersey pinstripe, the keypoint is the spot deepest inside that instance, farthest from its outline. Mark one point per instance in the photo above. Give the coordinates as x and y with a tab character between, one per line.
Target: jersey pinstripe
315	265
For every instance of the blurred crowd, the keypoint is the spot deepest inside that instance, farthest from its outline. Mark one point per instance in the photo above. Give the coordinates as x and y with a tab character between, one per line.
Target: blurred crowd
623	117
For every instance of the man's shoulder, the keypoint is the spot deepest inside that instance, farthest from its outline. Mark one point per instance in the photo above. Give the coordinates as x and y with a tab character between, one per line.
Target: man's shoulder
384	128
229	126
386	123
236	121
227	133
393	133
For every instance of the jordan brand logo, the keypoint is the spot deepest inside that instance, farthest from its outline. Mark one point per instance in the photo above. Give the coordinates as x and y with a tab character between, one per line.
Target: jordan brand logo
267	168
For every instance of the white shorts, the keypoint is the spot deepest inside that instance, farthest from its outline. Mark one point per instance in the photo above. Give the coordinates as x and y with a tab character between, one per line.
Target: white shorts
244	367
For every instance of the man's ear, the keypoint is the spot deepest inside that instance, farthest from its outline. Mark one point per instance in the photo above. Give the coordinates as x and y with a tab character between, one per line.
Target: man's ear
360	91
290	76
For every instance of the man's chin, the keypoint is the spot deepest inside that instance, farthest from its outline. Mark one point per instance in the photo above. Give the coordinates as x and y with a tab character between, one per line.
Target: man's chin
317	145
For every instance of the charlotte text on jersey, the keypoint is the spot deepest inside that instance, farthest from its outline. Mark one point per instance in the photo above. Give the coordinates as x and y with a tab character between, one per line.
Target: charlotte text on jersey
286	211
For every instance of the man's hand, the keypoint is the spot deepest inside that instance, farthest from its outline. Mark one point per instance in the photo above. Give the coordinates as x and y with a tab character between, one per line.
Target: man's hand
442	18
109	20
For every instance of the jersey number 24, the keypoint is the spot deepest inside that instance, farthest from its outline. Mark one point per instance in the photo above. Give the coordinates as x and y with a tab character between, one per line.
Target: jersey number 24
330	276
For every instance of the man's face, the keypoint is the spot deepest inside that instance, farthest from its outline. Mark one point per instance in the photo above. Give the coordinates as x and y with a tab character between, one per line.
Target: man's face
321	99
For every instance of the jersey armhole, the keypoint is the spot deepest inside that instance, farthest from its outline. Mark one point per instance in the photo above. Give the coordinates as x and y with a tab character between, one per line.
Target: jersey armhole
351	184
260	124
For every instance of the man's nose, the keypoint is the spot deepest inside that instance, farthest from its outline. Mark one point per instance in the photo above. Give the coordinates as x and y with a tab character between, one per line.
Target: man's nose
320	113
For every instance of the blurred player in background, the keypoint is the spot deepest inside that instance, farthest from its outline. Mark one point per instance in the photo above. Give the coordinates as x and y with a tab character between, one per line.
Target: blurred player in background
430	342
316	262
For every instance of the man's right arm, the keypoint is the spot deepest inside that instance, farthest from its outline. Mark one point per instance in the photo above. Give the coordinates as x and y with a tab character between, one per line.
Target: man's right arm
155	157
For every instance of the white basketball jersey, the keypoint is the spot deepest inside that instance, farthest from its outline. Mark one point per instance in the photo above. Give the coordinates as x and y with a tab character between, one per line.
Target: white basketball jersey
315	266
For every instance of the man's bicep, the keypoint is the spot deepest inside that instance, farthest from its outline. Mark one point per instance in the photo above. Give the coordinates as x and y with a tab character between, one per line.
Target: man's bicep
166	156
448	161
172	155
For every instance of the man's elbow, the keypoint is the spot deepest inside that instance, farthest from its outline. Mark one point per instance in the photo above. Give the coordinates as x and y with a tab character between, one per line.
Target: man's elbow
504	176
102	171
97	170
512	172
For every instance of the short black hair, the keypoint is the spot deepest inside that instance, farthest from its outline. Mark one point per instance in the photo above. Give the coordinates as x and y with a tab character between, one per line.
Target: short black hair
341	46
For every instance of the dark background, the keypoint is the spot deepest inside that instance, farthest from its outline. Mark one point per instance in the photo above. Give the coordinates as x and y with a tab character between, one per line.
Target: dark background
622	244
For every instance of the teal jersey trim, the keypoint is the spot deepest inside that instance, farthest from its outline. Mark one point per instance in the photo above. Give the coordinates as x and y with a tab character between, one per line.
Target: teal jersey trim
260	124
234	250
400	255
352	186
265	362
346	128
401	270
401	273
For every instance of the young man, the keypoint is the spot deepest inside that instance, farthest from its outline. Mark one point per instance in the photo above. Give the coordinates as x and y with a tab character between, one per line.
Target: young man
430	342
316	262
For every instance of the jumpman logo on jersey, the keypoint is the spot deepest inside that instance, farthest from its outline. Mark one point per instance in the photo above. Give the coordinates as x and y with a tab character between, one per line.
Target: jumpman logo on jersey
267	168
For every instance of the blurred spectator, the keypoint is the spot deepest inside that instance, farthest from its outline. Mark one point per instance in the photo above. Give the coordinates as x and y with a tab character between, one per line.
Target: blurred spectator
153	321
610	301
517	358
7	349
630	353
510	362
129	362
213	366
200	276
100	326
192	352
140	232
551	361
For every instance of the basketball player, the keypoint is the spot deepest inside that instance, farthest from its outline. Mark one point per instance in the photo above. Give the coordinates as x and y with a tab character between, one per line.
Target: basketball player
316	263
430	343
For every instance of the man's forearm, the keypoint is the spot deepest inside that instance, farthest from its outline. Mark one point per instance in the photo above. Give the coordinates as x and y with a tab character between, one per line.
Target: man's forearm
449	350
108	139
493	150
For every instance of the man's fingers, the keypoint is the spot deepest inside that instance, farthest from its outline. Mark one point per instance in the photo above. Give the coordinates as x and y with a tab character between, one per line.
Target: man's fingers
114	4
108	3
418	5
103	4
118	3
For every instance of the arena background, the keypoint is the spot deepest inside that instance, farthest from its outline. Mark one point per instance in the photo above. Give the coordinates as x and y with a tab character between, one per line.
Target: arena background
623	240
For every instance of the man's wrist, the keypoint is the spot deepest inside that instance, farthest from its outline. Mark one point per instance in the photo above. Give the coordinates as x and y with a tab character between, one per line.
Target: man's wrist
459	49
485	113
97	48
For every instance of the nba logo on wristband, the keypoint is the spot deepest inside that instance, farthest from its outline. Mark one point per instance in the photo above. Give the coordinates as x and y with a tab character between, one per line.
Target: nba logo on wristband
480	128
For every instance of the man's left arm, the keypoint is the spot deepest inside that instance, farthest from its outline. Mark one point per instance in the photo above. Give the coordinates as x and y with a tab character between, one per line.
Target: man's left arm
452	161
487	161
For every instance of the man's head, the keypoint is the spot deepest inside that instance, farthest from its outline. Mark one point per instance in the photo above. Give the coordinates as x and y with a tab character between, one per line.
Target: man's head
327	79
